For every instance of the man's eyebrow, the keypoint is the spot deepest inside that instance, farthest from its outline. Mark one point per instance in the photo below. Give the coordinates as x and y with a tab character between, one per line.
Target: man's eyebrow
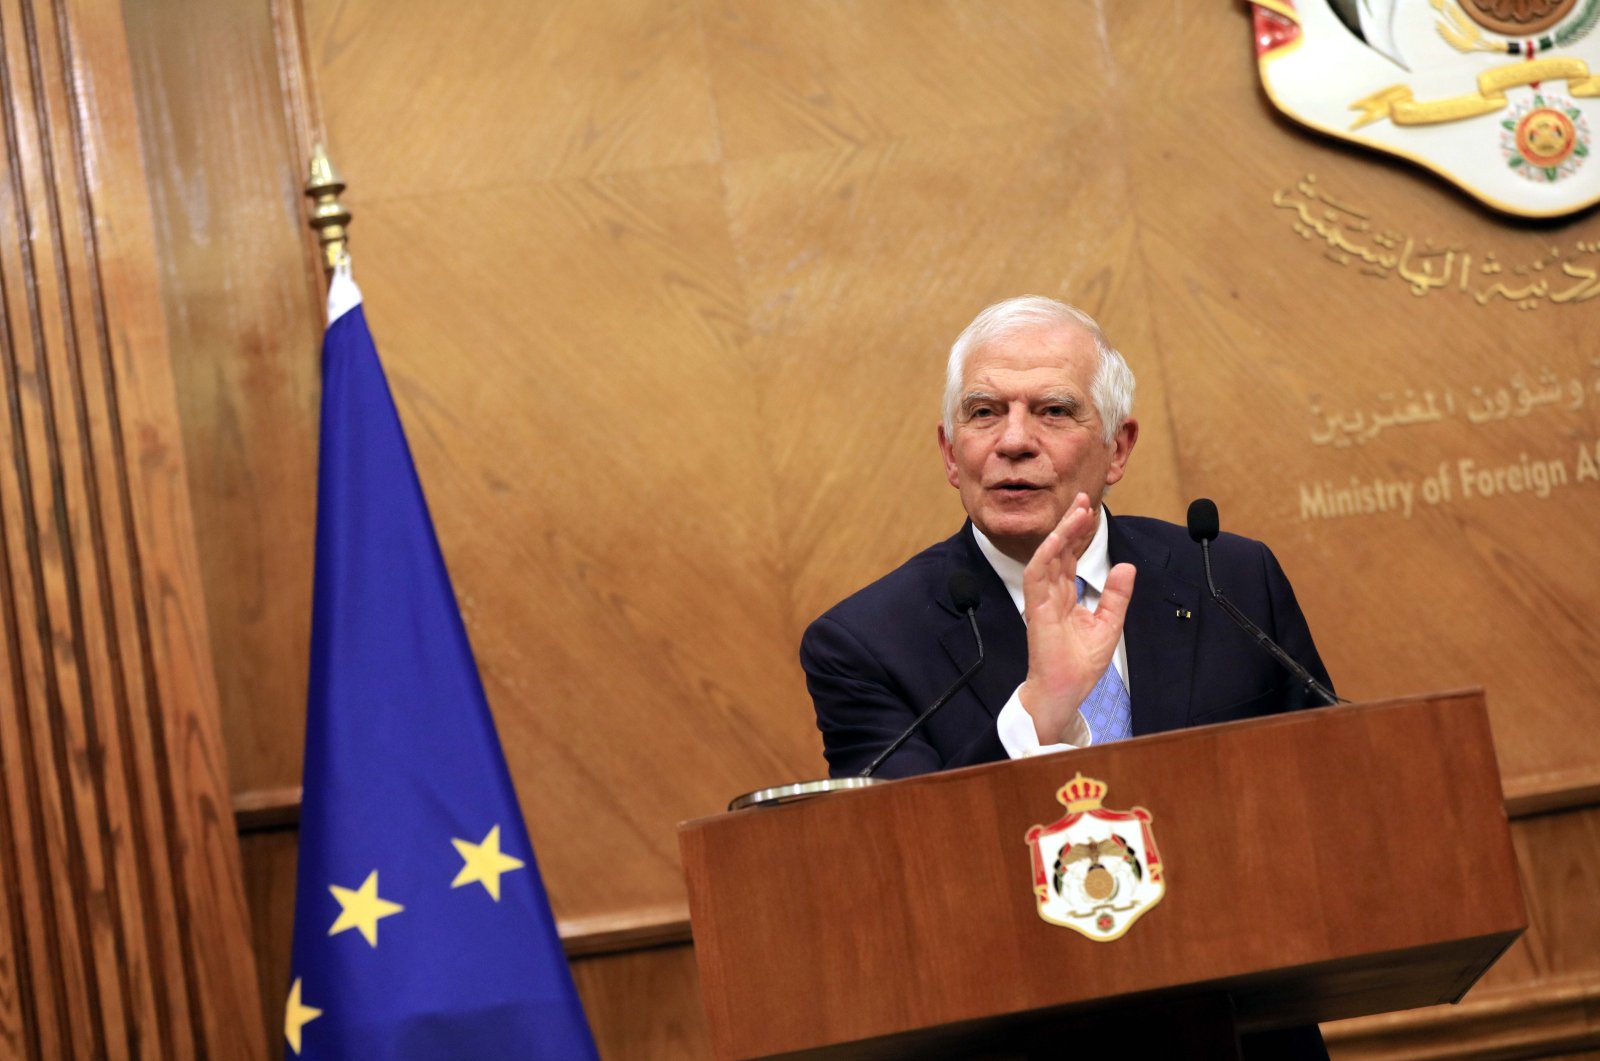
977	396
1067	398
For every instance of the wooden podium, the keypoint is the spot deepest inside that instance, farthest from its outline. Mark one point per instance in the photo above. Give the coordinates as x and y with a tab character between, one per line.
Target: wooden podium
1320	865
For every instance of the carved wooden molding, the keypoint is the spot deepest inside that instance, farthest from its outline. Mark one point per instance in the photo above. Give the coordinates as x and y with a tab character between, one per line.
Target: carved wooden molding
271	808
1531	796
1528	1020
628	930
123	930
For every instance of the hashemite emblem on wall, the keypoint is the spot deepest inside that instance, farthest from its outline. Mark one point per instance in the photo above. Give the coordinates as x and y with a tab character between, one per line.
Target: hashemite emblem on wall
1492	95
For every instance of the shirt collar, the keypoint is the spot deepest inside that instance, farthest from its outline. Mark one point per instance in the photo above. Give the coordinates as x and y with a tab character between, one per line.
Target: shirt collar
1094	566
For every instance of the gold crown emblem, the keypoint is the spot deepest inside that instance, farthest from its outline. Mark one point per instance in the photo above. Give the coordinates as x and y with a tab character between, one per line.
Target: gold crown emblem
1082	793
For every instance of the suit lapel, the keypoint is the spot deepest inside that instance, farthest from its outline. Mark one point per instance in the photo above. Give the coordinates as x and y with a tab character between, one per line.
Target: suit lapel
1005	638
1160	640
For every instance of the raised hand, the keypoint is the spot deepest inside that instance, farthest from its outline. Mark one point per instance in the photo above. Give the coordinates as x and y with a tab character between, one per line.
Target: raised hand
1069	646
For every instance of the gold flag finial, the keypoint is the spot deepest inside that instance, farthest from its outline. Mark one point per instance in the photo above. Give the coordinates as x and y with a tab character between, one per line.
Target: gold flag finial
328	215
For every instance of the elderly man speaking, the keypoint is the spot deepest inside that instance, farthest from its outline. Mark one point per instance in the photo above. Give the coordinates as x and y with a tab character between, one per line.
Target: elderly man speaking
1093	623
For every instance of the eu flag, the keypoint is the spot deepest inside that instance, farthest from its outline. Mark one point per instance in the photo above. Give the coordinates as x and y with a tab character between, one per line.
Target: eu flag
421	926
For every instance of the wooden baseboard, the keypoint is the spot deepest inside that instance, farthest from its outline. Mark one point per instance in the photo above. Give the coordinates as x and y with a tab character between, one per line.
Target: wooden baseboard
585	937
266	808
1539	1019
1535	794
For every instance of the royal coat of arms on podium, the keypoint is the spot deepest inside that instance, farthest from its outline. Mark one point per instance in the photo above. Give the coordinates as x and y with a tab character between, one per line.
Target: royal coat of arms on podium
1096	870
1497	96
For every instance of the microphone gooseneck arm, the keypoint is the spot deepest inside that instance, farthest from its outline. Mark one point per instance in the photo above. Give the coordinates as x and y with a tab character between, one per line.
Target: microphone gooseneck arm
1272	649
1203	527
971	608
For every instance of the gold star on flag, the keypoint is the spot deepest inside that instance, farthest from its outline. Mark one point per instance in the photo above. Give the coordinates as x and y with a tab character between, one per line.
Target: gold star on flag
484	863
362	908
297	1015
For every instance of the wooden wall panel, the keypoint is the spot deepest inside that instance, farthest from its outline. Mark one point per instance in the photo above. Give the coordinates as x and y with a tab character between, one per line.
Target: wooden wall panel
855	363
836	75
220	121
243	311
645	1004
125	924
268	858
506	93
893	168
625	608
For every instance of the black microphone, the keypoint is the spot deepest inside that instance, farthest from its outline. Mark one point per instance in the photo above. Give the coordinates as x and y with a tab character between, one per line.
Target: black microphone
1204	526
1204	523
964	590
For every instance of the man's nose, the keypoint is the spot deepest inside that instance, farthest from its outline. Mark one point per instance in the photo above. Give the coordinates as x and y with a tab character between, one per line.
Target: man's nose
1017	438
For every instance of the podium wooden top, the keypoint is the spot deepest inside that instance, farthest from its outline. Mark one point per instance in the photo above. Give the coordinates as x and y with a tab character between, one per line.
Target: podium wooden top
1320	865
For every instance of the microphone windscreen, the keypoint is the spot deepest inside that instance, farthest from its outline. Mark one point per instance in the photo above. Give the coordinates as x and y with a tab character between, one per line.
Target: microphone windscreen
1204	524
964	590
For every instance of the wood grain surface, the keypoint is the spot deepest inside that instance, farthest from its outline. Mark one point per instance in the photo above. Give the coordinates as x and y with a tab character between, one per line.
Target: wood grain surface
242	308
1281	844
125	929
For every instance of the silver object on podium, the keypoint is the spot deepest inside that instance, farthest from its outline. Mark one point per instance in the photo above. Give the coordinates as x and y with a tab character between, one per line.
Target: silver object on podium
780	794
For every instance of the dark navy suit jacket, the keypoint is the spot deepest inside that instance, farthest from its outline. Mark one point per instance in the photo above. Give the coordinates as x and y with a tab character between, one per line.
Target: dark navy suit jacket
874	661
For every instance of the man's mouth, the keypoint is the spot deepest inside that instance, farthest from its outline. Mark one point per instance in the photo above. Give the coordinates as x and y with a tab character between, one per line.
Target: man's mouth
1016	487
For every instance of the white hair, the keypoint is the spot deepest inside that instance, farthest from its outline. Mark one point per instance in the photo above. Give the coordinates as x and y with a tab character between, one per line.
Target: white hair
1112	387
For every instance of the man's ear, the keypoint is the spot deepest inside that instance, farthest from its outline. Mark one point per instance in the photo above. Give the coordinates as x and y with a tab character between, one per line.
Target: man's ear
1121	447
948	452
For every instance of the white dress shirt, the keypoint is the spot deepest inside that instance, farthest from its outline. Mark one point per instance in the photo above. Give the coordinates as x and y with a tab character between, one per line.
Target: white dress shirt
1017	732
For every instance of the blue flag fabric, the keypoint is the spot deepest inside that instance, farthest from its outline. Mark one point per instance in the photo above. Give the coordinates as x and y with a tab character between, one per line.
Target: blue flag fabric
421	928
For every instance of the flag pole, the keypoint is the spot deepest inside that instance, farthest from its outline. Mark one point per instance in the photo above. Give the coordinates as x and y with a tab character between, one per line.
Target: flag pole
329	217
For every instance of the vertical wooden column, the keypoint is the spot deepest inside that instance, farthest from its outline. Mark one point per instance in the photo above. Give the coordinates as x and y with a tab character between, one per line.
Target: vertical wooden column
123	931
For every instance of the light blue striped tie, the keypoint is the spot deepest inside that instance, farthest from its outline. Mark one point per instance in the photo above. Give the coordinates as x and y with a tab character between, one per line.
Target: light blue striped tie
1108	710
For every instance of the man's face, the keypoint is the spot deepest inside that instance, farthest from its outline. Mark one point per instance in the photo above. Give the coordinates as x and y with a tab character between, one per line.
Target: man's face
1027	436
